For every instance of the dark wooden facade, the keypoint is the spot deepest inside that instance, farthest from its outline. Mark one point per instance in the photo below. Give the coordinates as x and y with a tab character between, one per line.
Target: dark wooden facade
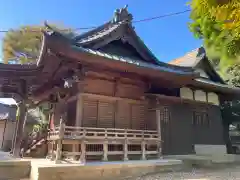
184	126
110	96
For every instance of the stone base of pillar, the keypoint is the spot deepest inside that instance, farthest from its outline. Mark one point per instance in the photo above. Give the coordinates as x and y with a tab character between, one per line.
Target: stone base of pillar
58	161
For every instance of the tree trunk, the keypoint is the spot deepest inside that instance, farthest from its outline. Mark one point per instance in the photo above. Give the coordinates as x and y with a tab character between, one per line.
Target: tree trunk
19	129
227	138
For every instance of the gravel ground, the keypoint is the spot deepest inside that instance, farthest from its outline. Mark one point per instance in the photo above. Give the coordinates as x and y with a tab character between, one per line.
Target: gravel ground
232	173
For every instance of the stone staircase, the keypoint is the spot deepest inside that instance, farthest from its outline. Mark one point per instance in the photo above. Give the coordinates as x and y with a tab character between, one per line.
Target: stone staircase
37	150
35	145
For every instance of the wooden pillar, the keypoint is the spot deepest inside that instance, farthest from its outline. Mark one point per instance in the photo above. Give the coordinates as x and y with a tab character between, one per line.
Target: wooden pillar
105	150
125	149
83	152
19	129
79	111
158	118
52	154
59	141
78	121
75	148
59	151
143	148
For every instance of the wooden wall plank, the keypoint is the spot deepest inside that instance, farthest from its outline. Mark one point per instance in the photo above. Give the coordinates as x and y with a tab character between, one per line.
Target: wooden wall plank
105	114
138	113
90	112
98	86
129	91
122	119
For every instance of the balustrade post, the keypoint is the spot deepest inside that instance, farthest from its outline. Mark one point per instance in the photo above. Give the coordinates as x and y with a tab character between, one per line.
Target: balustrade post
160	150
159	147
75	148
105	150
83	152
52	154
143	148
125	156
59	142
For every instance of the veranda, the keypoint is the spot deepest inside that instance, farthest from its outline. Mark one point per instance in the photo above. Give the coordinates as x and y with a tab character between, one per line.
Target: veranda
100	143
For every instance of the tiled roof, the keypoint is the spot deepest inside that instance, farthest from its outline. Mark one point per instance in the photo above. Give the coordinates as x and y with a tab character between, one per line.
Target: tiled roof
120	27
121	16
220	86
188	60
100	33
133	61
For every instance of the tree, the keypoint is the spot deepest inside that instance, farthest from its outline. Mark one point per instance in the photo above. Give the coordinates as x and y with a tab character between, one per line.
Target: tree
23	45
217	22
233	75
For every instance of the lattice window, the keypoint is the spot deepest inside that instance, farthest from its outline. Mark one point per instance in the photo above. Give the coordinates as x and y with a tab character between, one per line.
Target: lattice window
164	114
200	118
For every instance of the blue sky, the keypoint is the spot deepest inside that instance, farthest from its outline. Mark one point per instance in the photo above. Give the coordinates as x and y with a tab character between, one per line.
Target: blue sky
168	38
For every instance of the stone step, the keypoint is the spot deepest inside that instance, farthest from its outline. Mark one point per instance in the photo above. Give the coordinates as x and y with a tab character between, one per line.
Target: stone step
35	146
15	169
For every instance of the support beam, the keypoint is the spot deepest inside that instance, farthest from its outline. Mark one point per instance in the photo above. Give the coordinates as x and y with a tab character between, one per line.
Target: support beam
52	154
125	149
143	148
75	149
21	118
105	151
158	118
59	141
79	111
83	152
59	151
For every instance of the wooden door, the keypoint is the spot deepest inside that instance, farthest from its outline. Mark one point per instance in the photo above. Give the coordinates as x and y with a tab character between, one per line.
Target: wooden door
138	116
181	137
165	129
90	113
106	113
122	120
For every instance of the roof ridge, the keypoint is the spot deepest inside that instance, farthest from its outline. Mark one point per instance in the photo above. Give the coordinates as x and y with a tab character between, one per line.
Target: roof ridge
120	15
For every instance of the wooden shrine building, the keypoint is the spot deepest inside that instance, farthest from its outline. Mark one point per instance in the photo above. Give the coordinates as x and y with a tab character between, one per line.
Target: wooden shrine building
111	98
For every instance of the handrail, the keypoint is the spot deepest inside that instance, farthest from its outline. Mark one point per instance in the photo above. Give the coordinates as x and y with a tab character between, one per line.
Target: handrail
92	132
33	138
114	129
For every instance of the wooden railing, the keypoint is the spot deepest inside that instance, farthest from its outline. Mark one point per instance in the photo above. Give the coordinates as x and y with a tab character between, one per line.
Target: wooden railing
70	132
104	142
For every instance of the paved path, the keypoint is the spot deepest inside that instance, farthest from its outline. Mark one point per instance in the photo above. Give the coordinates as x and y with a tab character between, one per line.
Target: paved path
232	173
5	156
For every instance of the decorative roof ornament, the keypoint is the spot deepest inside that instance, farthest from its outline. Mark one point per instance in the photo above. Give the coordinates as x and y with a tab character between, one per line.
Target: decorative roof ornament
122	15
49	30
201	52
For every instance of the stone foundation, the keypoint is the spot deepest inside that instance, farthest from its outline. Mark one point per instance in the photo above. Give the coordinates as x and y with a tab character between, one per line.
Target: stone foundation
102	171
14	169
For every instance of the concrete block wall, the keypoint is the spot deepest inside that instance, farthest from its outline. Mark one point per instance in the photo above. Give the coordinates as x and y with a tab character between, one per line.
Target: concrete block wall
205	149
